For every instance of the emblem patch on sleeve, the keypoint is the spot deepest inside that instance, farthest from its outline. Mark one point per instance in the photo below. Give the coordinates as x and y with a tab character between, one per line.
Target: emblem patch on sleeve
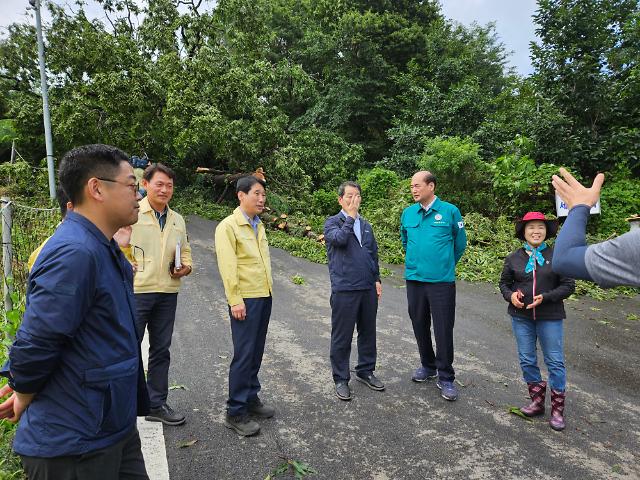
460	224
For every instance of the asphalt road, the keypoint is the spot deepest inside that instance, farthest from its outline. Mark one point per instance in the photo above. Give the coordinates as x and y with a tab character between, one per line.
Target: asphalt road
408	431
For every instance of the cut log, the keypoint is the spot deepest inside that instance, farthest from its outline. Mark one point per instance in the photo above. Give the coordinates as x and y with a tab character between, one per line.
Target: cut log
207	170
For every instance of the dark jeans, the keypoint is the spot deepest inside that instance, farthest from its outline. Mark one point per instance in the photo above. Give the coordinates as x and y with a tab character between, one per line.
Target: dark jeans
157	312
437	302
249	336
122	461
349	309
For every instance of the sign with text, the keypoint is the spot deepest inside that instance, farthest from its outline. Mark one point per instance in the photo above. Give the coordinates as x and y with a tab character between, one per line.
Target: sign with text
563	211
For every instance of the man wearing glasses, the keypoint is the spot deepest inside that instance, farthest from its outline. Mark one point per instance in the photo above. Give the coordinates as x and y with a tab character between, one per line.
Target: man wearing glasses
75	367
156	237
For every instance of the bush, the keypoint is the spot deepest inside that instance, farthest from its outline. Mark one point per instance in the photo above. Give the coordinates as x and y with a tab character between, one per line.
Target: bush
521	186
324	202
463	177
22	179
378	186
620	199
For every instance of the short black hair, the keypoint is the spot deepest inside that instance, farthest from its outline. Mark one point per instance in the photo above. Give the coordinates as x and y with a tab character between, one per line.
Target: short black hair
62	199
343	186
246	183
152	169
82	163
430	178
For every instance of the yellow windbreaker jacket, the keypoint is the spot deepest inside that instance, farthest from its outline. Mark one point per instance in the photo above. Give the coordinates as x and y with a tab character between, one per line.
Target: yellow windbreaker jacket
243	259
155	249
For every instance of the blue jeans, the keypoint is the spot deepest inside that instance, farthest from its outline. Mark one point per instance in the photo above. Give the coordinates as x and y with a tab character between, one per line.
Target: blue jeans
551	336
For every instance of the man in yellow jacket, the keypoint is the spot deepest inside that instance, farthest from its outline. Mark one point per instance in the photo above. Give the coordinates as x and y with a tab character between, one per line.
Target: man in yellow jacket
245	267
162	256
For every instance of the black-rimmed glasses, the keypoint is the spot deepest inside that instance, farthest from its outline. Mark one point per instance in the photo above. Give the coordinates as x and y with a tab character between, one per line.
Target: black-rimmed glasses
133	186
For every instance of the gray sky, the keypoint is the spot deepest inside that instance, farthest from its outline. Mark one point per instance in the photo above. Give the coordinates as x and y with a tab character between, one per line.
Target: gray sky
513	19
514	24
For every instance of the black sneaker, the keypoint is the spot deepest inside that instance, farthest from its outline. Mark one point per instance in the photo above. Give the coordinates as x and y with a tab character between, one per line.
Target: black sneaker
242	424
260	410
343	392
371	381
166	415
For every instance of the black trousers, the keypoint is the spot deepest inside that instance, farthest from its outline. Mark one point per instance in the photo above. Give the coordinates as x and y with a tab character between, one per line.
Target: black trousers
348	310
122	461
249	337
434	302
157	312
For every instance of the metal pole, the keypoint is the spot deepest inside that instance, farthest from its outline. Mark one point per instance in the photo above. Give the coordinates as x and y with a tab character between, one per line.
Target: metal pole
7	252
13	151
45	101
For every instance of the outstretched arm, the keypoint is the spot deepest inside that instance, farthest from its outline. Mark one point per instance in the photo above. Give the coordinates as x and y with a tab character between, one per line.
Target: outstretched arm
571	246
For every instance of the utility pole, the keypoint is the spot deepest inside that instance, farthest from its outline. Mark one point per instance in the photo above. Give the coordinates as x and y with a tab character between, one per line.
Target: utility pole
45	100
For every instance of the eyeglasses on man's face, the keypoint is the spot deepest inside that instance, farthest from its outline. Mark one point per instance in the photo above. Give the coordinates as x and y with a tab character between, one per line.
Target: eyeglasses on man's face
135	187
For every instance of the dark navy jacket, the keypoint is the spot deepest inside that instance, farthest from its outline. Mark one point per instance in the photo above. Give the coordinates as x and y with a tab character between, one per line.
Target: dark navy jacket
351	266
77	348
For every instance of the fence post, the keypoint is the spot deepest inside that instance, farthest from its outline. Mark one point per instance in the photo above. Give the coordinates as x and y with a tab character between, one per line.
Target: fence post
7	252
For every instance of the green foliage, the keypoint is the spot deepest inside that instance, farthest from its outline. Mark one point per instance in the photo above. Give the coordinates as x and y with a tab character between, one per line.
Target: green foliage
298	247
324	202
8	133
619	200
463	177
291	467
378	185
520	185
10	464
23	180
194	202
298	280
592	81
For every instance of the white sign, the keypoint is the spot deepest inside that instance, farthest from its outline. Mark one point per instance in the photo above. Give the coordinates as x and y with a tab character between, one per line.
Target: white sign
563	211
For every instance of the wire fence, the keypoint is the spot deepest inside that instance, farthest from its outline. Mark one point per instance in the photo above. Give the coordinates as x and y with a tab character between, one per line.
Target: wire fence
27	228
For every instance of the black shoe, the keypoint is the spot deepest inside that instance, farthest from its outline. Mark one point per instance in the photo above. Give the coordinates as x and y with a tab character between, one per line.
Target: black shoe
166	415
343	392
371	381
260	410
242	424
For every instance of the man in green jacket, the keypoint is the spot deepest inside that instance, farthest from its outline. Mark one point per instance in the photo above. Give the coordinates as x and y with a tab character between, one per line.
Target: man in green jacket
434	239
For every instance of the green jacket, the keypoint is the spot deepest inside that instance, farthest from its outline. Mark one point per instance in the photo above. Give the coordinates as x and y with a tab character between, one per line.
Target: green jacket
434	241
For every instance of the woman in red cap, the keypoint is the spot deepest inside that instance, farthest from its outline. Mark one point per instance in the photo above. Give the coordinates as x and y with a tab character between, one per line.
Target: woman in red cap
535	294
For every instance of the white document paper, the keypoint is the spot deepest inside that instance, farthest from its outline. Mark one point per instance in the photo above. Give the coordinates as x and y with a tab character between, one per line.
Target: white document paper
177	262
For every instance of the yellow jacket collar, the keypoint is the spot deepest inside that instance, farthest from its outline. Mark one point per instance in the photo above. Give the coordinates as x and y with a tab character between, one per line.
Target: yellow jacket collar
145	206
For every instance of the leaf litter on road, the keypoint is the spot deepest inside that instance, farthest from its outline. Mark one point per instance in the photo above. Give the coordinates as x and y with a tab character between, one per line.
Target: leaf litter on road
189	443
516	411
290	466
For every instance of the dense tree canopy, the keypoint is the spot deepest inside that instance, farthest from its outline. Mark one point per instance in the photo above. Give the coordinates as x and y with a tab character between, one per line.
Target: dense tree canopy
314	91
